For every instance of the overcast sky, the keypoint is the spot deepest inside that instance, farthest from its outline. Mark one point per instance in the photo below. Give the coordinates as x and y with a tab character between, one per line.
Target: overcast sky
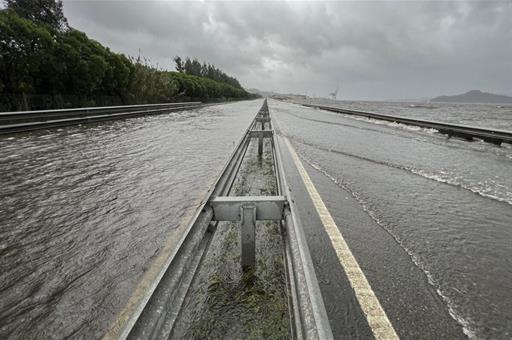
373	49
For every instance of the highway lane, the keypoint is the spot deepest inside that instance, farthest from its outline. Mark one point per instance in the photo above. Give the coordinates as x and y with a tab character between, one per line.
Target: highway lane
427	219
89	213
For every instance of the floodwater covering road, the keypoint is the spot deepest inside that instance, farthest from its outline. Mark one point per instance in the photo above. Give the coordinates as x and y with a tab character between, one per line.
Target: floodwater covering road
429	220
86	210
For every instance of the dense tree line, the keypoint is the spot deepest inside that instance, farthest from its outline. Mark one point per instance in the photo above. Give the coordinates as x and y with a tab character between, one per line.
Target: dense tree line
46	64
195	68
47	12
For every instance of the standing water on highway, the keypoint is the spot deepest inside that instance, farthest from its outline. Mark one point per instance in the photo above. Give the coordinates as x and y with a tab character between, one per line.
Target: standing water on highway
85	211
380	230
492	116
446	202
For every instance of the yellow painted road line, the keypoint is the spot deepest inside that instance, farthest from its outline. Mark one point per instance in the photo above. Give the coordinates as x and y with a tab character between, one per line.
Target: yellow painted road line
375	314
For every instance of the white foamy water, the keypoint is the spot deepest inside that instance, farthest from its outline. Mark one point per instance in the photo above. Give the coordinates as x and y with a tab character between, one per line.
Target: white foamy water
445	201
464	321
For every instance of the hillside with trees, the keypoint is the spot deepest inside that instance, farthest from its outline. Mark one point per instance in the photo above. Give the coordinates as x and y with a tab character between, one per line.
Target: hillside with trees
44	63
195	68
474	96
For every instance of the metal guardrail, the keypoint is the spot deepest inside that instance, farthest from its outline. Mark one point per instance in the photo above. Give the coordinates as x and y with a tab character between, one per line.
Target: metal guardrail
155	315
22	121
307	310
468	132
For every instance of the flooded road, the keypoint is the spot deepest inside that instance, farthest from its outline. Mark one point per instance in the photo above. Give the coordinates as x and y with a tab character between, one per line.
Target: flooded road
397	192
494	116
86	209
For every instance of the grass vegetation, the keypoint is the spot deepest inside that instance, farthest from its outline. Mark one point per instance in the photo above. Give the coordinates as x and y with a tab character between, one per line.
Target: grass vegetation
228	303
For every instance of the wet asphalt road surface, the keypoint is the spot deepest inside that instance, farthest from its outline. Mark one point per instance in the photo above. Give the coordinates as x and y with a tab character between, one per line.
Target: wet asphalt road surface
427	218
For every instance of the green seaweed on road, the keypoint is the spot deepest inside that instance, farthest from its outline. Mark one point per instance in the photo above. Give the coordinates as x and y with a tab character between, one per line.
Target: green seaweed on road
227	302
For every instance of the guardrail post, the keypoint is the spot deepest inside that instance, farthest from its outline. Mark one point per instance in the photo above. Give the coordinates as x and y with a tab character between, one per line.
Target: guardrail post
248	235
260	145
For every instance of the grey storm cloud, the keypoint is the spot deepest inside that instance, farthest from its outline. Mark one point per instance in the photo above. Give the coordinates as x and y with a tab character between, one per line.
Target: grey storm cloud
371	49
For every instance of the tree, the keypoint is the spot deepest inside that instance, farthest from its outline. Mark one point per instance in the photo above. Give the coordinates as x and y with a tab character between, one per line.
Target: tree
25	50
196	68
204	70
179	64
188	66
47	12
42	68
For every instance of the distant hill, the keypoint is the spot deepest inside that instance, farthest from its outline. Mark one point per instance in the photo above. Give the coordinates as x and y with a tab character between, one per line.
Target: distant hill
275	94
262	93
474	96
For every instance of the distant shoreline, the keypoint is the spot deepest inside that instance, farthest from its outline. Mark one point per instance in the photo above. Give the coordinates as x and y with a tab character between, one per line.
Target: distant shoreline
474	97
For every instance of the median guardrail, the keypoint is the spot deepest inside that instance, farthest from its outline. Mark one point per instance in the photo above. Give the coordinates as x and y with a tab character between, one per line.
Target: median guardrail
155	314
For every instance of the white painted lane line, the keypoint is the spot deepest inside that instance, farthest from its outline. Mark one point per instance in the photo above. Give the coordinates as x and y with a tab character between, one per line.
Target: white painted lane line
372	309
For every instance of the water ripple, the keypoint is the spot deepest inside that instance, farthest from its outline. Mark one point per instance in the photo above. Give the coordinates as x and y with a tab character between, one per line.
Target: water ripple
85	210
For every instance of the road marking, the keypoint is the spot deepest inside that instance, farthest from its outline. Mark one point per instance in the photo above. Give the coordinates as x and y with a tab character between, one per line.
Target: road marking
373	311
